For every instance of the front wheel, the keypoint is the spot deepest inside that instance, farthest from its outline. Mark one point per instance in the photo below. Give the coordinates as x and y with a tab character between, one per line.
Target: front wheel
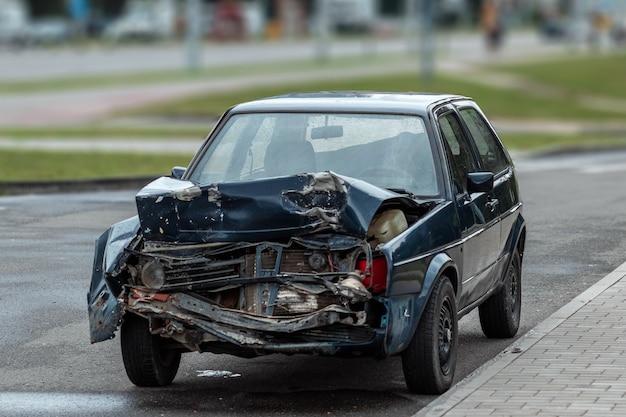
148	363
430	359
500	313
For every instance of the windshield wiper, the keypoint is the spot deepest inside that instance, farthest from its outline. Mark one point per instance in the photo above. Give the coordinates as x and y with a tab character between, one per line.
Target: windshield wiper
403	191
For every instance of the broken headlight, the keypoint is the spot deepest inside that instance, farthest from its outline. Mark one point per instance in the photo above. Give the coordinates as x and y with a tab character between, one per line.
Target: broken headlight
152	275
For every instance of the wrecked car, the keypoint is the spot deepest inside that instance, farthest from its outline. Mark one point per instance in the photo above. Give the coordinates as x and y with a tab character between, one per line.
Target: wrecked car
338	223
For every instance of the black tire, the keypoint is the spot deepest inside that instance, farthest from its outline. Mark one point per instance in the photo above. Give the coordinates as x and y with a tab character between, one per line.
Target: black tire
500	313
147	362
429	361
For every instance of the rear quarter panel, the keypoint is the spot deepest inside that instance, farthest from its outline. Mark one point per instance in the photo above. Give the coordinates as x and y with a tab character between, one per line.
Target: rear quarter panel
417	258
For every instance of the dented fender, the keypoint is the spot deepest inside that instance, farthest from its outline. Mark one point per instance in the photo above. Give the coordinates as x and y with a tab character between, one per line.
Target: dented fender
105	311
405	311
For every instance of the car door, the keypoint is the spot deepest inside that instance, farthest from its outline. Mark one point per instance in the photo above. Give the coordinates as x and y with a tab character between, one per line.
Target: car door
478	214
493	158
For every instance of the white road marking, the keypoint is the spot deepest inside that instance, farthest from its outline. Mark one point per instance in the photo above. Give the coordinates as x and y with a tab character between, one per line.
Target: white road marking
586	163
45	403
602	169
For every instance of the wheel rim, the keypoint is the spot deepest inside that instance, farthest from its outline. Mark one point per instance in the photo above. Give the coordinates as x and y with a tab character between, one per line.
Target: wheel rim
513	291
446	335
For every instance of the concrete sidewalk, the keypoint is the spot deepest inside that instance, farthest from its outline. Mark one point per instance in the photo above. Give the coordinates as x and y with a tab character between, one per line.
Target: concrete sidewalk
572	364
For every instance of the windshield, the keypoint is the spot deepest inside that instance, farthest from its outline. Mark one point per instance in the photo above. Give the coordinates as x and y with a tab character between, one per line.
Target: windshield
389	151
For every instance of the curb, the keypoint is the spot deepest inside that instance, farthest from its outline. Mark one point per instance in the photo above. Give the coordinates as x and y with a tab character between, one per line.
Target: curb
474	381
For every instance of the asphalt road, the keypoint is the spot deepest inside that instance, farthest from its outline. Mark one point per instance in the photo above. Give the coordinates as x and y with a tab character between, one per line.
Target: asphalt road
38	64
576	234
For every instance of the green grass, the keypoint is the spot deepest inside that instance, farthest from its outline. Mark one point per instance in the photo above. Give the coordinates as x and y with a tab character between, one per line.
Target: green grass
112	132
47	166
497	103
585	74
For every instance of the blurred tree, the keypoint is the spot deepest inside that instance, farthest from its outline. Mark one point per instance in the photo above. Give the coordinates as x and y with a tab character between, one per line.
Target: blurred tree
109	7
46	8
391	7
40	8
474	8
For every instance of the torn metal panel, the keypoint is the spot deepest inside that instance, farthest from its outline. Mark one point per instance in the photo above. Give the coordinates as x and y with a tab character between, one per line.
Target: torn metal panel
292	307
105	311
252	331
120	237
209	311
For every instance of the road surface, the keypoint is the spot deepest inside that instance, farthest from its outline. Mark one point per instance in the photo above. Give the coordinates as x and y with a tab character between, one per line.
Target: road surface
576	229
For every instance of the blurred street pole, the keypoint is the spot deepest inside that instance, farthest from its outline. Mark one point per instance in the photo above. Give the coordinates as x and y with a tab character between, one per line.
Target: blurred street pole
288	17
410	25
194	33
427	40
323	31
371	35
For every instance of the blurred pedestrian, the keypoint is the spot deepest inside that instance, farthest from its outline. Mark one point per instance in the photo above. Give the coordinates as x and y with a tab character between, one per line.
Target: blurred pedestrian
601	24
229	22
491	23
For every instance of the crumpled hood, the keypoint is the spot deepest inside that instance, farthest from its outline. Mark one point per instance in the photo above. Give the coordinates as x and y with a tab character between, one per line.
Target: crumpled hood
175	210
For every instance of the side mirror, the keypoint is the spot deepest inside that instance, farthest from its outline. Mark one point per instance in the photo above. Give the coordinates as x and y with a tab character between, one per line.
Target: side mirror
178	172
480	182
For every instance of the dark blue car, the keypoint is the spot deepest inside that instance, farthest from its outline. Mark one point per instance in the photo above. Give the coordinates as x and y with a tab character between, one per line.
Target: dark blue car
339	223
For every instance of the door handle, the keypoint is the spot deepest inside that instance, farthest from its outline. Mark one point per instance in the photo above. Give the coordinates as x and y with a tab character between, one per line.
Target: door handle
491	204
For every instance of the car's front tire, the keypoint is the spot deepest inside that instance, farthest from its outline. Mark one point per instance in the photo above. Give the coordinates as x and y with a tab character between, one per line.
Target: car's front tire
147	362
500	313
430	359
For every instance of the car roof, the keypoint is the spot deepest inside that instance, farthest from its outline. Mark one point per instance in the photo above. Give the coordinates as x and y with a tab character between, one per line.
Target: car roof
343	101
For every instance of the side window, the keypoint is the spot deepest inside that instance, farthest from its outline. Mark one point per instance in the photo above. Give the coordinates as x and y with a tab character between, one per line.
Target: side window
461	158
490	152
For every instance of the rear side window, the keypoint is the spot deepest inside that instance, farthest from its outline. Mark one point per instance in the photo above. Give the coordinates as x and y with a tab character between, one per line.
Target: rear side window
491	154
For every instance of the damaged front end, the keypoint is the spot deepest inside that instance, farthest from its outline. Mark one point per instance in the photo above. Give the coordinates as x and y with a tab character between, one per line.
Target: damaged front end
257	296
285	265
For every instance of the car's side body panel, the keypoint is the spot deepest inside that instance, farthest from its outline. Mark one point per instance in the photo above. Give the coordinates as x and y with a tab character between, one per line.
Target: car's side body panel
478	217
480	235
405	310
416	265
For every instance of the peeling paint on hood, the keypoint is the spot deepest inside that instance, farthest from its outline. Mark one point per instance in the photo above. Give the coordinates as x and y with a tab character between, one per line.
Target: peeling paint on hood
278	208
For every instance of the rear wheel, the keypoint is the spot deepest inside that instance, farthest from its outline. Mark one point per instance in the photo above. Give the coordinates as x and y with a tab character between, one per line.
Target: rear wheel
148	363
430	359
500	313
